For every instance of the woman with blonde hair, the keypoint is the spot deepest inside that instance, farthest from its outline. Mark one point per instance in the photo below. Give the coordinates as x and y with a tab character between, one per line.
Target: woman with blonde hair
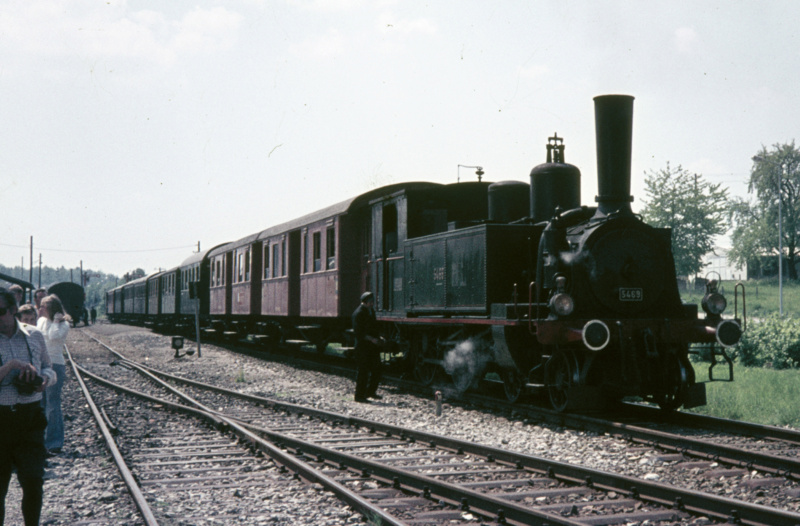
54	324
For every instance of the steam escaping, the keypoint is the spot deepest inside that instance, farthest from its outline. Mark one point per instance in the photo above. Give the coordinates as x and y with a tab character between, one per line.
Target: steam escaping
466	363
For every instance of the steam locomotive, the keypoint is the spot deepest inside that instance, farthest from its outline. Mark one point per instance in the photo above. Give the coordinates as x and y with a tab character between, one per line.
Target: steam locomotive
471	278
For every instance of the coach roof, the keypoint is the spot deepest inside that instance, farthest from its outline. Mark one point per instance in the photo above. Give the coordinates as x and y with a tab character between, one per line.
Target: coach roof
344	207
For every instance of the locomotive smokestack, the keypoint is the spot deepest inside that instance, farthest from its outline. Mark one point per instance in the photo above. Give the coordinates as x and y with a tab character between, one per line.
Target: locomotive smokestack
614	129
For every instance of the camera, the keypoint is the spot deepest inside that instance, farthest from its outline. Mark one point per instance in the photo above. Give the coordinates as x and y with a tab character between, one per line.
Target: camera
27	388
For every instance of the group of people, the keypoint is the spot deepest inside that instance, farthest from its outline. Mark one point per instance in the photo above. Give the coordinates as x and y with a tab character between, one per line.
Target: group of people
32	373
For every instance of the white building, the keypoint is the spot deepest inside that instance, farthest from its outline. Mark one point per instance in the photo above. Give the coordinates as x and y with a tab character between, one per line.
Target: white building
717	261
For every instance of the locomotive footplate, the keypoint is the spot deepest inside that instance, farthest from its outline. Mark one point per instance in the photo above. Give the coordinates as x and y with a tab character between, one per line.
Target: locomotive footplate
672	331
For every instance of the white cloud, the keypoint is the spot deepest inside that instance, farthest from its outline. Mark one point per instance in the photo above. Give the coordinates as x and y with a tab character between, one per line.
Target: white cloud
93	31
206	30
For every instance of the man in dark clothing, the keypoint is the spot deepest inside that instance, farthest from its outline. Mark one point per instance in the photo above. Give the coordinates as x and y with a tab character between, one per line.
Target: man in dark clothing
93	314
368	344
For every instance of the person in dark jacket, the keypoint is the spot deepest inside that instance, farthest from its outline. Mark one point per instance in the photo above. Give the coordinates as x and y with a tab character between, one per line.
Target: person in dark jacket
368	344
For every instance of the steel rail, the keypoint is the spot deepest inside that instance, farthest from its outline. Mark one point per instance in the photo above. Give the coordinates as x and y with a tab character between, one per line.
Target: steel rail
721	508
453	494
715	423
125	472
307	472
397	477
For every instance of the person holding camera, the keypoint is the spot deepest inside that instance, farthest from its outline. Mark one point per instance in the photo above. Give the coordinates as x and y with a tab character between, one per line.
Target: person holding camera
54	324
25	371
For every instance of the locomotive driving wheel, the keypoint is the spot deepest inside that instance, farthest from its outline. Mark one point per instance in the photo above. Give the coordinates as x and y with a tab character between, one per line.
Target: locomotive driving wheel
426	364
561	373
513	384
676	381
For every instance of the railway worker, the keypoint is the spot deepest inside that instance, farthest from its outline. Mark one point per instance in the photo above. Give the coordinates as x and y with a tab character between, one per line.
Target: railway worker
24	359
368	344
93	314
54	324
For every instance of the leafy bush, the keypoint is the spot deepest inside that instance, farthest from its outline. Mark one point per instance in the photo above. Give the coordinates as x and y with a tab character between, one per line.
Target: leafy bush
770	342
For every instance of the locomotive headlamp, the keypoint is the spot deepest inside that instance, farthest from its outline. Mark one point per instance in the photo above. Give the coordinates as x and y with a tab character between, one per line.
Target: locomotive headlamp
596	335
561	303
728	333
713	302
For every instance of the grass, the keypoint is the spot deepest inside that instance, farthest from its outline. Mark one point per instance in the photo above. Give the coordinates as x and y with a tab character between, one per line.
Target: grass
763	396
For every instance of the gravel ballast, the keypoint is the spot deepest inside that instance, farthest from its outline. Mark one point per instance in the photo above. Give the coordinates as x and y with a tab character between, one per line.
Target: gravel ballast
85	463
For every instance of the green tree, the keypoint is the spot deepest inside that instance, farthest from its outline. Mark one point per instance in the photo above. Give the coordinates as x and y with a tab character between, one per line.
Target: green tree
755	222
693	208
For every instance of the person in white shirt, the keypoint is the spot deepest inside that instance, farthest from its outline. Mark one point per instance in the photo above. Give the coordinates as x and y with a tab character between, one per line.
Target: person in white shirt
54	324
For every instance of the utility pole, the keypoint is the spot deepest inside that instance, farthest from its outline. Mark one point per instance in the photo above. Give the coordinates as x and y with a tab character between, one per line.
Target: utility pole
40	270
30	276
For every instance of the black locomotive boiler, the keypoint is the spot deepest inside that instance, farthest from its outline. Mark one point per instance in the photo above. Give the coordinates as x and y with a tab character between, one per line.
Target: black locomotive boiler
509	278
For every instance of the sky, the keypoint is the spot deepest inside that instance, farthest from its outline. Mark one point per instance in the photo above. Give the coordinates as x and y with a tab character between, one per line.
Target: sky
134	130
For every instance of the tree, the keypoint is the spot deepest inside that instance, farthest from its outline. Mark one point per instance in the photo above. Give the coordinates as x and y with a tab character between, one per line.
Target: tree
755	222
134	274
693	208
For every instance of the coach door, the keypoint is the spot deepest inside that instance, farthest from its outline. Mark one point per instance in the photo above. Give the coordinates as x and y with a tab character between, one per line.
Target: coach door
294	273
389	233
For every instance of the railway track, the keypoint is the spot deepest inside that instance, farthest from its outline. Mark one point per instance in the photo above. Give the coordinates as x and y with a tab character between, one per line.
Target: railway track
183	470
684	437
433	479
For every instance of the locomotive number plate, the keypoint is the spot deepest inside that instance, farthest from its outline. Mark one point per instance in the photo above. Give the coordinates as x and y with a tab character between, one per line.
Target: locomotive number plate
630	295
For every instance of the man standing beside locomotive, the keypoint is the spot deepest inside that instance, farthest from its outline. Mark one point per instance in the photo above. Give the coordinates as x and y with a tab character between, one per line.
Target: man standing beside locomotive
368	354
25	372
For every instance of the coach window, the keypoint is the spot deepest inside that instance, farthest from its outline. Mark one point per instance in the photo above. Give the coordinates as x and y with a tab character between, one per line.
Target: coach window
265	259
283	257
317	251
330	250
247	265
276	259
390	229
239	266
306	254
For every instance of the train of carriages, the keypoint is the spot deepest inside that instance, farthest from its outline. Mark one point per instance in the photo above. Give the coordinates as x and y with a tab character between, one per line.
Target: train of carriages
517	279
